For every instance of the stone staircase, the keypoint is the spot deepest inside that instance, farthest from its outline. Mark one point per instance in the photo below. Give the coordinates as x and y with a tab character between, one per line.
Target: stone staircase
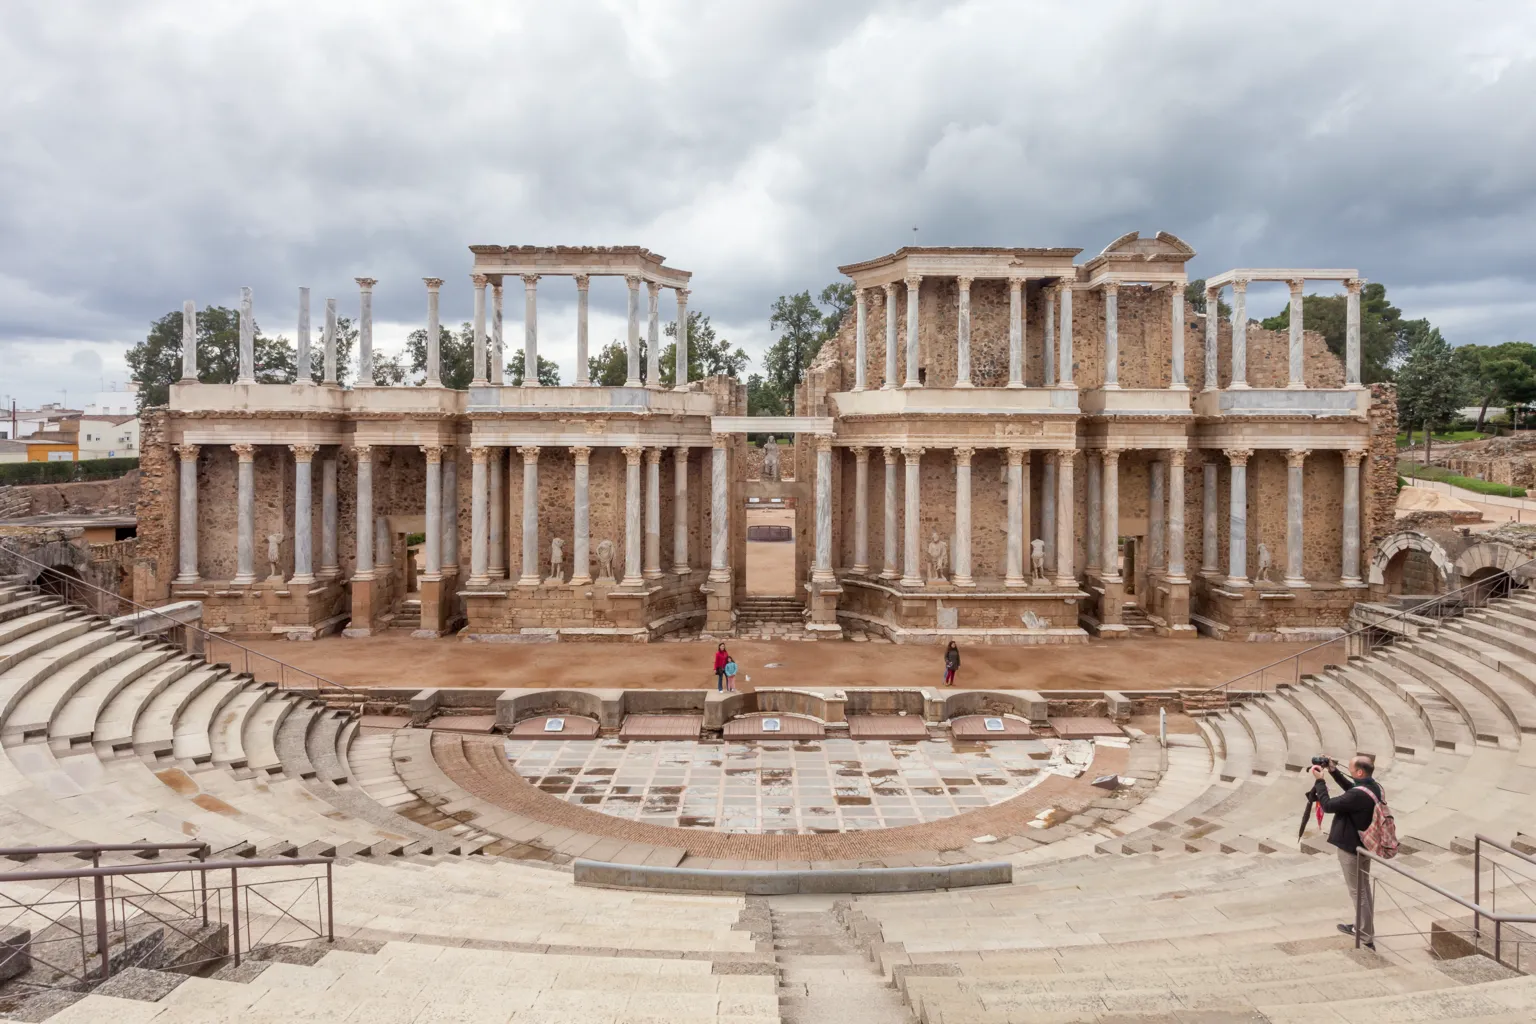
769	616
1135	619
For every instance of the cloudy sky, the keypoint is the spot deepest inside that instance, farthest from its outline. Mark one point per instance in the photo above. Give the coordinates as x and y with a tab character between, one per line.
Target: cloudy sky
159	151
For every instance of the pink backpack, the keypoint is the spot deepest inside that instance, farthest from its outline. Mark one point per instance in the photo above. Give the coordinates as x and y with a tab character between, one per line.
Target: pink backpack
1381	837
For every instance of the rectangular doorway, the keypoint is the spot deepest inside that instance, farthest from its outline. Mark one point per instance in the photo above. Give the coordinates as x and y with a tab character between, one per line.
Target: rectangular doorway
771	549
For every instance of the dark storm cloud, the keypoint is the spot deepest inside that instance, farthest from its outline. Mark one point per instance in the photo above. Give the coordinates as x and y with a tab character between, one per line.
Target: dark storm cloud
161	151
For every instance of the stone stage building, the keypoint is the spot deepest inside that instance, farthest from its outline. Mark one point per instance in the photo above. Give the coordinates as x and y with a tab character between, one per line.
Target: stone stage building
1059	449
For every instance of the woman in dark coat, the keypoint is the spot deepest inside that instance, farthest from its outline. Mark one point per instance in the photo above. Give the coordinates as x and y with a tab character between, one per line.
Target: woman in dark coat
951	663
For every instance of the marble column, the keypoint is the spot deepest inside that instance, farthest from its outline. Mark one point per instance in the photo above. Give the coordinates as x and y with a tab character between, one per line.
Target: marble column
1064	374
1066	532
632	522
245	513
912	569
719	509
1349	574
497	544
450	511
1239	333
531	330
1212	336
433	567
1016	332
680	354
434	333
1237	518
330	563
914	294
383	556
1298	360
302	359
891	342
365	331
1109	529
633	379
860	341
583	371
963	335
247	354
187	528
680	511
1352	333
364	528
1176	351
1111	336
581	557
1095	512
1048	356
1013	568
530	575
498	353
961	561
1176	516
653	336
1210	551
478	375
303	514
1048	509
889	567
1295	510
328	344
821	570
1157	512
479	517
652	514
861	509
189	342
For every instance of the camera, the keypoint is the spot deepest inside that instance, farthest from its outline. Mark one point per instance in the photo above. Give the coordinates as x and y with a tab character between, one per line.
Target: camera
1323	761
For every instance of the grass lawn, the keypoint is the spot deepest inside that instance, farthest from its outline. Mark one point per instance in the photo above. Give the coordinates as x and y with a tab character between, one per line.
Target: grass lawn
1409	470
1450	437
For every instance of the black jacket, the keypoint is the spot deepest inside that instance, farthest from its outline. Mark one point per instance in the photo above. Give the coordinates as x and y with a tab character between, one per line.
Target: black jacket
952	658
1352	810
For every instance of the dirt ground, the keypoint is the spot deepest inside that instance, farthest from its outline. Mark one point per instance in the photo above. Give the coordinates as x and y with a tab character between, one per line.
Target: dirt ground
401	661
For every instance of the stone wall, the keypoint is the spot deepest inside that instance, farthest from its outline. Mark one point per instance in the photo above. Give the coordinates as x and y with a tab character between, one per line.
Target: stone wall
118	496
1378	476
156	507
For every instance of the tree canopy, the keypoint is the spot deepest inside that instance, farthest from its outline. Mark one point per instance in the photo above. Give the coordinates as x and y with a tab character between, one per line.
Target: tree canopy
803	326
1385	337
155	362
708	354
517	367
1194	299
1430	385
1497	373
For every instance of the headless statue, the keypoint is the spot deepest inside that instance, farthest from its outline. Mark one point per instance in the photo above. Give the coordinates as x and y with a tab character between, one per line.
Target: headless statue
771	459
1266	564
605	560
274	544
938	558
556	556
1037	559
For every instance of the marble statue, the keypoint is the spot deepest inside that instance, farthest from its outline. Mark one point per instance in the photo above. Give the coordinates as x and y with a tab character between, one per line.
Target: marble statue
771	459
274	545
556	556
938	559
605	560
1266	564
1037	559
1033	621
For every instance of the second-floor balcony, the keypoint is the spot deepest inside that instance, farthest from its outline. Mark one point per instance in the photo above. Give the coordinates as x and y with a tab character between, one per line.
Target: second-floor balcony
1320	403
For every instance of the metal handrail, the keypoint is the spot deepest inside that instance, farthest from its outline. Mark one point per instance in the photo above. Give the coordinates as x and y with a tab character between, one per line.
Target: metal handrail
1439	599
95	848
70	581
1362	889
160	869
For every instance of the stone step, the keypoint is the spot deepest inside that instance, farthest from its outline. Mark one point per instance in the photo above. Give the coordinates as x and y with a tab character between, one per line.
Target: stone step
259	738
154	729
32	671
1480	714
1447	727
14	633
193	719
230	724
1512	684
118	709
30	714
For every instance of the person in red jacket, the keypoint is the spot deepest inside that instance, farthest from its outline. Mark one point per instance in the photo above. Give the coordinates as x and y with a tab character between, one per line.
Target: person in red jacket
721	657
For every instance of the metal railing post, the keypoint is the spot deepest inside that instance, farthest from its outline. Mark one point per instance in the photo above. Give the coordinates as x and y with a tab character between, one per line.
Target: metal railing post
1477	886
330	906
1361	881
234	912
102	948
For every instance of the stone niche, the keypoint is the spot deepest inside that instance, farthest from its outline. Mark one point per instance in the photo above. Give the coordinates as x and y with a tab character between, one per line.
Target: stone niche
595	611
1025	616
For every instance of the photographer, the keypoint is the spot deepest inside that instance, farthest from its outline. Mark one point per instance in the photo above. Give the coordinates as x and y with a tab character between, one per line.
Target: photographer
1352	812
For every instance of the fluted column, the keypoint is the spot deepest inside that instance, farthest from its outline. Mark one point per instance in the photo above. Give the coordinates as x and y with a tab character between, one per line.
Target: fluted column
189	342
912	570
1210	551
364	527
479	517
1109	529
1111	336
680	511
860	341
1066	532
1157	511
383	557
1349	574
328	345
530	330
498	515
303	514
1295	509
891	317
961	575
889	567
434	333
1048	356
302	360
245	513
680	353
1015	332
478	375
1212	336
583	371
433	569
1239	333
1013	567
653	336
1176	540
632	524
1352	333
633	351
1297	352
861	509
330	564
1065	373
498	353
247	355
187	530
530	576
1237	518
450	511
821	570
719	509
963	335
365	331
581	558
1176	352
652	514
914	294
1095	558
1048	509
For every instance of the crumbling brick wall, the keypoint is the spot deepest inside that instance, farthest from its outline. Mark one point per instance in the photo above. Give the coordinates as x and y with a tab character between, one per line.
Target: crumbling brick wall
155	552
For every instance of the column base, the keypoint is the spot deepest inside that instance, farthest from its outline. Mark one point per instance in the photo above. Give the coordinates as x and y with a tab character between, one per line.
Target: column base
1237	581
633	382
911	384
1356	386
632	581
477	581
529	581
479	382
859	387
329	572
1353	582
648	387
1065	582
964	384
681	570
302	580
1238	385
496	574
911	581
1070	385
186	581
245	579
653	574
887	386
1178	578
1016	384
531	383
719	575
962	581
1297	583
1111	386
1015	581
1296	387
823	576
681	387
1178	386
583	382
862	570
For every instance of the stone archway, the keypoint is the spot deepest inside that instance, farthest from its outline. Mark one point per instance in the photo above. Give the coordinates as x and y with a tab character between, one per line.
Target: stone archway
1393	556
1486	557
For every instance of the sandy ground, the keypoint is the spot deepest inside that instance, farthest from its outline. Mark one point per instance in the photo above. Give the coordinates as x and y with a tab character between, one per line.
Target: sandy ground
1423	499
400	660
771	565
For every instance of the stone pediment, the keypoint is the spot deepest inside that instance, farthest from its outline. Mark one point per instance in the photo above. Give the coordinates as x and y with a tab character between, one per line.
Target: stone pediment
1130	257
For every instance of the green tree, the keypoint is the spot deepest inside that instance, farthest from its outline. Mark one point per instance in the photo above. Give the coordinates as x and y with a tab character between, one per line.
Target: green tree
456	354
1498	373
549	373
1385	337
155	362
708	355
762	400
389	370
1194	299
1430	386
610	367
802	329
346	340
838	298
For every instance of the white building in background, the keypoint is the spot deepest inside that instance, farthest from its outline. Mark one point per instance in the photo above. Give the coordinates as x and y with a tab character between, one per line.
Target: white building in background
19	423
109	437
122	401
